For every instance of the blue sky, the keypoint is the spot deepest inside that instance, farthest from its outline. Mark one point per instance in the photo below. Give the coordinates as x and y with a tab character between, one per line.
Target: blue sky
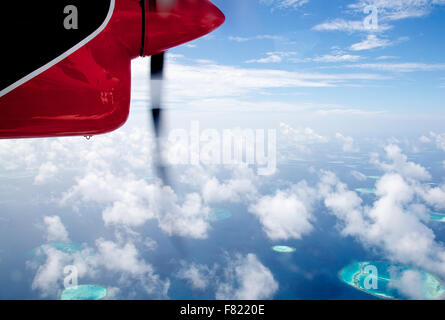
396	70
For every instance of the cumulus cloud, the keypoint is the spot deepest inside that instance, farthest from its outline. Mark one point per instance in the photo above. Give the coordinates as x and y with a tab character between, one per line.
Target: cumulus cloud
243	277
395	223
246	278
298	138
46	171
410	284
399	232
232	191
433	196
121	258
348	143
287	214
400	164
126	198
49	276
439	140
198	276
55	230
16	154
189	219
239	185
131	202
424	139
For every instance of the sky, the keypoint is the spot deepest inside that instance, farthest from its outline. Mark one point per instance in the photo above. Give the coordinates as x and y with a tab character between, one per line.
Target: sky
322	62
343	103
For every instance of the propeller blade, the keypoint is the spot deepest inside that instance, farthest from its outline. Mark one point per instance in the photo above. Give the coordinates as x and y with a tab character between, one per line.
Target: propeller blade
157	77
156	84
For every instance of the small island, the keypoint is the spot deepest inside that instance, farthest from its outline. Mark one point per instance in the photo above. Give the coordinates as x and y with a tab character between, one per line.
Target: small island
283	249
387	276
84	292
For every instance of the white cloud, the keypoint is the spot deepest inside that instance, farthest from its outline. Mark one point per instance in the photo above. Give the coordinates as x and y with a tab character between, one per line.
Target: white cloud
189	219
400	164
199	276
259	37
132	202
213	191
439	139
394	223
46	172
49	276
241	185
387	225
386	58
398	9
287	214
55	230
126	198
300	138
410	284
246	278
337	58
199	84
285	4
238	39
349	26
399	67
18	153
371	42
348	143
272	57
123	258
433	196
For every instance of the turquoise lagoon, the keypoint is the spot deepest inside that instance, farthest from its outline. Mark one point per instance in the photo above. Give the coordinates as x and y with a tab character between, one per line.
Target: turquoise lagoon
84	292
355	276
366	190
219	214
283	249
438	217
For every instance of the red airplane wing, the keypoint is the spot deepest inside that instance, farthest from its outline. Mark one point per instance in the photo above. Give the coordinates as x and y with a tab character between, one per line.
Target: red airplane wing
78	81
